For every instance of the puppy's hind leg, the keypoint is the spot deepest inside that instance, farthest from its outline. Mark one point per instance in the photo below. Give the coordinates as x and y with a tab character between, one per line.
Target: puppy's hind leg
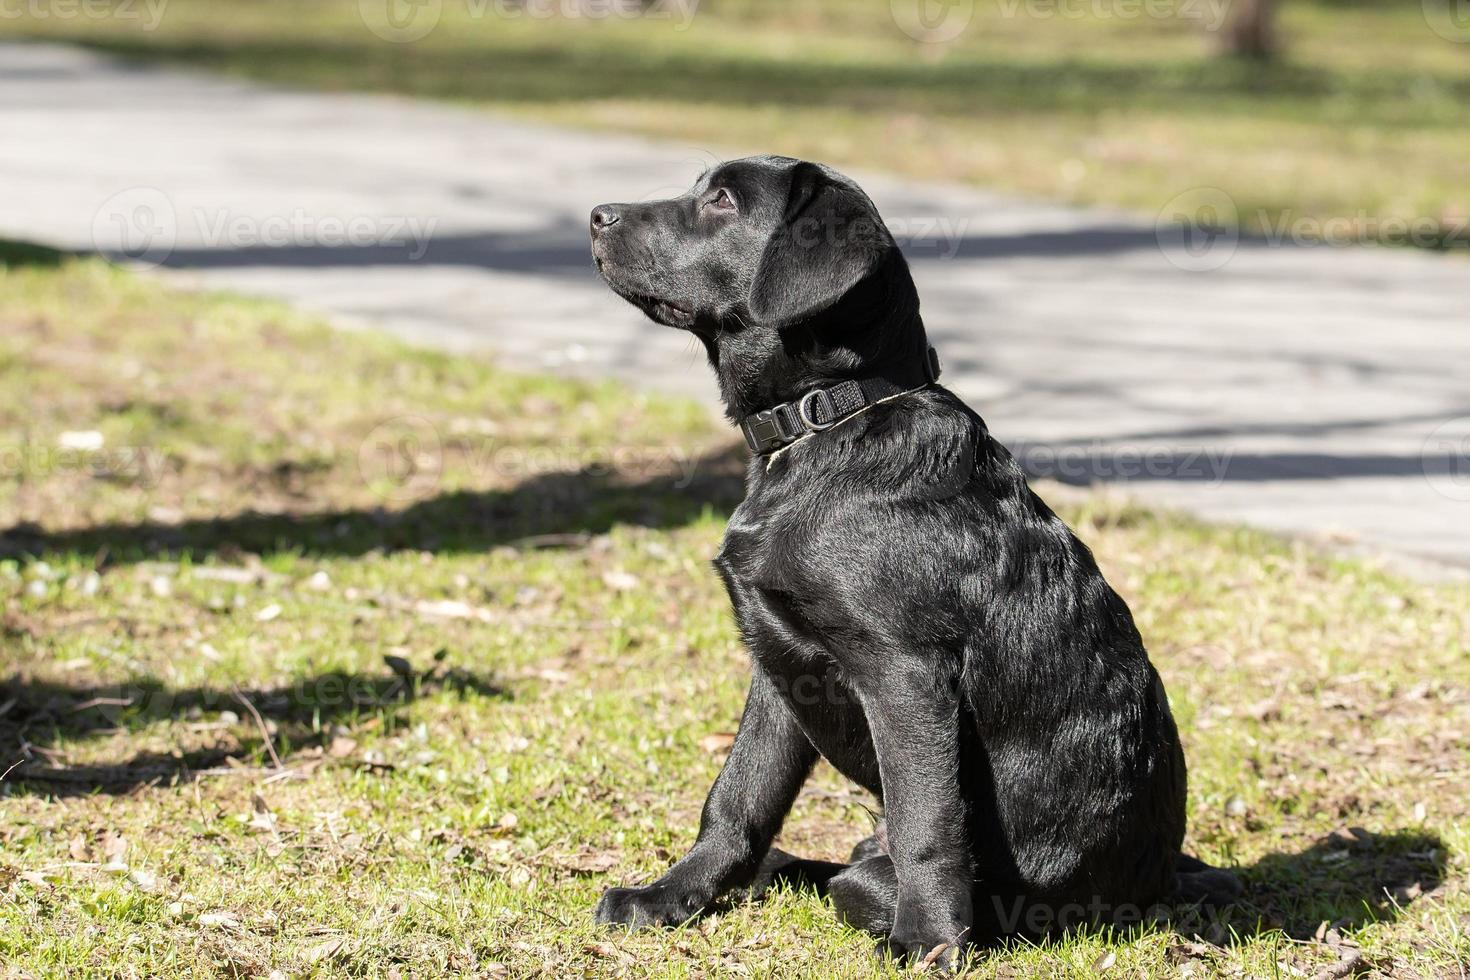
871	846
779	868
1199	883
865	895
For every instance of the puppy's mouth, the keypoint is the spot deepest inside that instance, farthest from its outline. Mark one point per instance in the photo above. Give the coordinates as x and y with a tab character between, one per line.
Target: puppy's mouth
657	308
665	312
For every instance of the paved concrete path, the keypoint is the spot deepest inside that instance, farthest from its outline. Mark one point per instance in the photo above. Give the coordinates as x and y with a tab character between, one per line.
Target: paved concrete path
1320	391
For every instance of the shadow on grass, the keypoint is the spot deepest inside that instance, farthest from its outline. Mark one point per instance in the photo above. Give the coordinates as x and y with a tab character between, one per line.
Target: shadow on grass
555	509
1342	882
1346	883
37	715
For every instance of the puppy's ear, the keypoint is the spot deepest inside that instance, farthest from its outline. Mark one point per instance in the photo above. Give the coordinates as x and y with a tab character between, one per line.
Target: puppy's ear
829	239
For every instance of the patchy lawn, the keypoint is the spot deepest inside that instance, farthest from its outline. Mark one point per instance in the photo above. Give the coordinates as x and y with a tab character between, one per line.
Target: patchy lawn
327	656
1362	131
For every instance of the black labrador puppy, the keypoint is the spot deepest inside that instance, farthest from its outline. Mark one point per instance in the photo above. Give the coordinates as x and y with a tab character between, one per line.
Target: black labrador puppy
915	614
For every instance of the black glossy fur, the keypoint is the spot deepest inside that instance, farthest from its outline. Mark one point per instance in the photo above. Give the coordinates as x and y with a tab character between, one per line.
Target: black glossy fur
915	614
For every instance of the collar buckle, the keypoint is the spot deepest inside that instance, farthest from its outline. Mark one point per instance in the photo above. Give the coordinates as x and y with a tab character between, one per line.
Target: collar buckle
762	431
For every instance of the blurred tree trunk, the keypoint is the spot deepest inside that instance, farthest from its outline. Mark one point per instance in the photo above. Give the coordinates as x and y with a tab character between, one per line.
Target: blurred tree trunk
1251	32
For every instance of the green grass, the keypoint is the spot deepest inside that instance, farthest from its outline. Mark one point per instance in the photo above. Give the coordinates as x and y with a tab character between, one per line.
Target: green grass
1367	117
474	612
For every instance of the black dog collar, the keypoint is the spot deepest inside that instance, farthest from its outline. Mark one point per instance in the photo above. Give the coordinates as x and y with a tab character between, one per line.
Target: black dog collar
771	429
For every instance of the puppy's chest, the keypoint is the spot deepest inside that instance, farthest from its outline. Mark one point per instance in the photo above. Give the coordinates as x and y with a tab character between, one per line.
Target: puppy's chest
768	584
763	563
763	550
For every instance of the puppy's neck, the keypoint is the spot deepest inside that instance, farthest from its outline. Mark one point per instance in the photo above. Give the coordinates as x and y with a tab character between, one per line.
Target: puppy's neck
869	333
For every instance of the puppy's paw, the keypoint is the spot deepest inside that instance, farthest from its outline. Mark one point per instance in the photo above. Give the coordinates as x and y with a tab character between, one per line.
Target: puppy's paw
926	940
652	905
934	954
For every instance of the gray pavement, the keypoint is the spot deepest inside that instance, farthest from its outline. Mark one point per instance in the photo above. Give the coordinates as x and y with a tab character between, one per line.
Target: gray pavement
1314	390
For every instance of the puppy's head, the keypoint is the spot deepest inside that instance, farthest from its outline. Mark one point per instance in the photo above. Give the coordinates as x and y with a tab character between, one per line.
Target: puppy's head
761	242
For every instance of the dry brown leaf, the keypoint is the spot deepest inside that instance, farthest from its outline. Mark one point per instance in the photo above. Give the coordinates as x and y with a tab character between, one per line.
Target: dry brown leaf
591	862
452	609
620	581
932	957
323	951
1349	962
1182	952
608	951
114	846
717	742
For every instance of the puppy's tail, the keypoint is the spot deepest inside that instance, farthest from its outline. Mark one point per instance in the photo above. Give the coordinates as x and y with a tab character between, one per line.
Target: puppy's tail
1200	884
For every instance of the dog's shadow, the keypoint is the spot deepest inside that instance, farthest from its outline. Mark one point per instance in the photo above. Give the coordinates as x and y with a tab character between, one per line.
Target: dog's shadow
40	717
1341	882
1346	880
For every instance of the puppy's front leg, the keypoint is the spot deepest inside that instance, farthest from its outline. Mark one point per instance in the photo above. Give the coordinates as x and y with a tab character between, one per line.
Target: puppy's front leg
913	714
768	763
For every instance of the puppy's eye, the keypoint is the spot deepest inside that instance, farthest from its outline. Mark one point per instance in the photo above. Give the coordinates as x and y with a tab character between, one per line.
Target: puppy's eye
723	201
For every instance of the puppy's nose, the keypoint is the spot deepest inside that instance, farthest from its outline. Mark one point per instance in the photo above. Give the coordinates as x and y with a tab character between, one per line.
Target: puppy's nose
605	216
